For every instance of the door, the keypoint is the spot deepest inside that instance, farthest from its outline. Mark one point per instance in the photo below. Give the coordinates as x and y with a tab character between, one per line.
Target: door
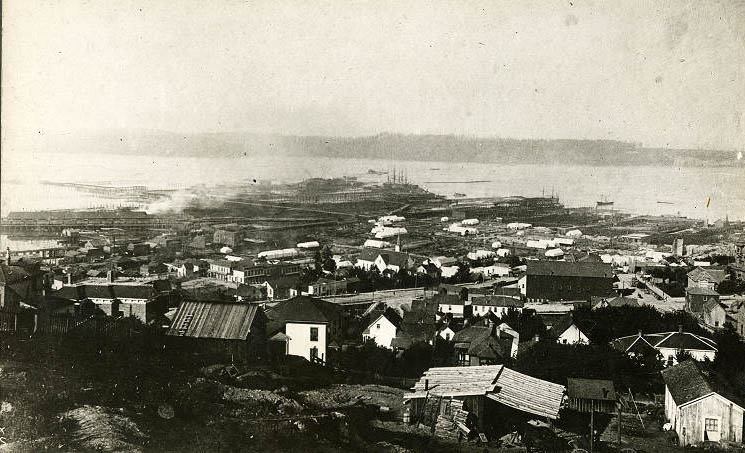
712	429
313	354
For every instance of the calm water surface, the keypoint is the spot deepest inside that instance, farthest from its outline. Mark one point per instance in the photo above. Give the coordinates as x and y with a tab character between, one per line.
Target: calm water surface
633	189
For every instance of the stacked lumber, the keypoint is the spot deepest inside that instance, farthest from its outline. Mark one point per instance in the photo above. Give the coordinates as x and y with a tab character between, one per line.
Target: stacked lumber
456	381
454	422
446	429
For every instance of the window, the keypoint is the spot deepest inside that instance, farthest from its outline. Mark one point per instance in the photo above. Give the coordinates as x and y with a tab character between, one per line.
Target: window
711	424
716	323
314	334
447	336
377	326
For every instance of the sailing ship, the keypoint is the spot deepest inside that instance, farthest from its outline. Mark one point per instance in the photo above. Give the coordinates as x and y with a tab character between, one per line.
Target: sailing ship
604	203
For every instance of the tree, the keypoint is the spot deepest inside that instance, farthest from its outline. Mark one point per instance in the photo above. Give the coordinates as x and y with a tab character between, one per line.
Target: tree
327	259
463	275
527	323
681	355
317	262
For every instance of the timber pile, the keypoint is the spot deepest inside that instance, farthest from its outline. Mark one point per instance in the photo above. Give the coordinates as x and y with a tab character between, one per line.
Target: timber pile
454	422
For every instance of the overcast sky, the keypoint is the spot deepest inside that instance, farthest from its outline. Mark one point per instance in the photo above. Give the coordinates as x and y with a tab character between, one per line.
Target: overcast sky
657	72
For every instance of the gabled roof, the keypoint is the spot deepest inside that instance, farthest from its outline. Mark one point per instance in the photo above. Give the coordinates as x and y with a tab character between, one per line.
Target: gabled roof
696	291
497	301
368	254
449	299
12	274
213	319
288	281
392	258
592	389
712	304
562	324
303	309
389	313
711	275
569	269
686	383
480	342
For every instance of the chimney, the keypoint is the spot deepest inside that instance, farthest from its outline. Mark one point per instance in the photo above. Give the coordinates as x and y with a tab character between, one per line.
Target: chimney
605	392
680	328
426	385
640	332
69	278
536	338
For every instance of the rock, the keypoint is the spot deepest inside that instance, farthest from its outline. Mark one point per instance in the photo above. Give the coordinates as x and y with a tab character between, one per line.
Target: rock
6	407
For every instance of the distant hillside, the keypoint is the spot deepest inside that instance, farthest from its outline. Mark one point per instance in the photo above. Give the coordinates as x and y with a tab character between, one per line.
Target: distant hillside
385	146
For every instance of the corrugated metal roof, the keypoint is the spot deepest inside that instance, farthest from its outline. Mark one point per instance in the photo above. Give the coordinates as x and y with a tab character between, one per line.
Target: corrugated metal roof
207	319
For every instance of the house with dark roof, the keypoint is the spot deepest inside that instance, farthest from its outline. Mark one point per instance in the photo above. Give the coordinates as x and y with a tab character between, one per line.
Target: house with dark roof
697	297
706	278
138	300
383	327
485	345
282	287
563	280
384	260
697	409
452	304
667	344
448	289
567	331
327	287
19	283
250	292
417	325
237	329
714	314
304	326
497	305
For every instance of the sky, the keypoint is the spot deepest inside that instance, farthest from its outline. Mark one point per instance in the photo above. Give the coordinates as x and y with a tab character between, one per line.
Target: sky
659	73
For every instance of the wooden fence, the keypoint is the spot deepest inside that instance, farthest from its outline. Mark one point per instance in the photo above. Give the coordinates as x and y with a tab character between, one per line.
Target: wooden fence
8	321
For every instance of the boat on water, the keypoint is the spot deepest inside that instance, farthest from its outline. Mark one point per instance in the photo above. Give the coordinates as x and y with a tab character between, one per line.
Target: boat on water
664	202
376	172
459	194
604	202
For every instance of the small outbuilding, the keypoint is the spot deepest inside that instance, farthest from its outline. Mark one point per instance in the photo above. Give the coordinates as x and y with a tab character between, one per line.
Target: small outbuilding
697	411
591	395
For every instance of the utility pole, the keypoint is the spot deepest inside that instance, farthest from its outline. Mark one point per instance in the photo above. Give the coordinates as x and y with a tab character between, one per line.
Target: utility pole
619	427
592	427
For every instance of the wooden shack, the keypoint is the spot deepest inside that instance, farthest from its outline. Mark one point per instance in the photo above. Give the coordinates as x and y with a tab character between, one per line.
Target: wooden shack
479	386
230	329
697	411
591	395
